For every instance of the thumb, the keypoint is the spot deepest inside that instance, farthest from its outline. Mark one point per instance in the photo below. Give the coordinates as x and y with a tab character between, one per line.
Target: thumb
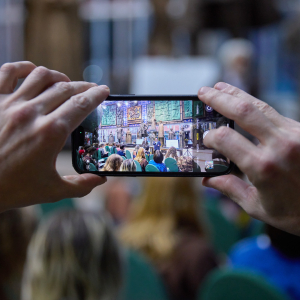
239	191
80	185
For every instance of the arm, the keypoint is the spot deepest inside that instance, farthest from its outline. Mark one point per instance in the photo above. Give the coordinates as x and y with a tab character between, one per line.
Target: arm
273	167
35	121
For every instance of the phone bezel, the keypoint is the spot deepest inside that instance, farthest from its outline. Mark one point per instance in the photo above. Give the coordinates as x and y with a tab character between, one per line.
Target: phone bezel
75	138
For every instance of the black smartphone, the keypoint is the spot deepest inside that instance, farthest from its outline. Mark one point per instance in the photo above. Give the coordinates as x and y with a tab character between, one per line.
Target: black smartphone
161	136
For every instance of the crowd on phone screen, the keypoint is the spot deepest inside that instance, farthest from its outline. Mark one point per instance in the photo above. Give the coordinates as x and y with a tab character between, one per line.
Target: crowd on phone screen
80	255
113	162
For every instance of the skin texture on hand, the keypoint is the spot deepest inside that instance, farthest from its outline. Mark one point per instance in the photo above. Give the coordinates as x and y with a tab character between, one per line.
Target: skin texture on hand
35	122
273	167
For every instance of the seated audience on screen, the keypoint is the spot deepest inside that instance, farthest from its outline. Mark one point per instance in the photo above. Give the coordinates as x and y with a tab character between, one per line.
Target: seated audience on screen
103	151
128	165
118	146
219	158
87	158
141	159
122	151
135	151
165	226
73	255
172	152
81	150
276	256
147	152
113	163
157	161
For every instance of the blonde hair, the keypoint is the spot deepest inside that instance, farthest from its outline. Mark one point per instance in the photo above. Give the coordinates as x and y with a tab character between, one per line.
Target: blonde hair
140	155
113	163
73	255
128	165
167	206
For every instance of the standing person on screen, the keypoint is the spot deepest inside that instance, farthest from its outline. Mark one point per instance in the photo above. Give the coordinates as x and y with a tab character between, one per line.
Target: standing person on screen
157	145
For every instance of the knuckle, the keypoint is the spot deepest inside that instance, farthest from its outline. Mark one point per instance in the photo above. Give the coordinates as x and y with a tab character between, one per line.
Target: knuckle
8	68
81	102
56	128
291	149
23	114
42	72
63	87
243	109
262	106
267	168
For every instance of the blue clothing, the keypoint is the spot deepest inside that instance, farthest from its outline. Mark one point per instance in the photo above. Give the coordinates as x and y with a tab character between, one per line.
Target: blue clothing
121	153
161	167
157	145
259	255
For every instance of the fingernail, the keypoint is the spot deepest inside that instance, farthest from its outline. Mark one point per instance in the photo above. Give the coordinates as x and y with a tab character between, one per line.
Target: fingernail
221	86
204	90
105	87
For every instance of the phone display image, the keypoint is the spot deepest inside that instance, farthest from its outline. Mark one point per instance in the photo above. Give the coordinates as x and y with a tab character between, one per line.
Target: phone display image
149	137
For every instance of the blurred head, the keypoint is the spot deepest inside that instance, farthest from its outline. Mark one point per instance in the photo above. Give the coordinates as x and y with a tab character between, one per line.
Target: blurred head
137	147
91	150
122	147
128	165
167	206
172	152
158	157
286	243
140	155
16	229
73	255
117	145
146	148
155	139
113	163
101	145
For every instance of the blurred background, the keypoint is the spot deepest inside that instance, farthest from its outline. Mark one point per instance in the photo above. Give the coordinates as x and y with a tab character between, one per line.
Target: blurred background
164	47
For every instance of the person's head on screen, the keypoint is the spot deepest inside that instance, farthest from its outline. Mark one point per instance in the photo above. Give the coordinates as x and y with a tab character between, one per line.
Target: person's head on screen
172	152
91	151
166	207
73	255
156	140
128	165
158	157
137	147
101	145
122	147
113	163
140	155
147	148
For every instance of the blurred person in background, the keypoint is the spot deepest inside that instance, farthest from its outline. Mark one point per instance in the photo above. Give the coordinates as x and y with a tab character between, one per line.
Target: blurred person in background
87	158
121	152
16	229
276	256
73	255
165	226
53	36
172	152
135	151
141	159
113	163
118	198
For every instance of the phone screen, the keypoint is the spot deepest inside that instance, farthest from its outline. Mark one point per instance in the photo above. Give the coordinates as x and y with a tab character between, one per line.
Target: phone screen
149	136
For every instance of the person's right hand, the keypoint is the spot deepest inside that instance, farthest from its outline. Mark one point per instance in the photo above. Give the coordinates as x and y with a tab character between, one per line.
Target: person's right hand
273	167
35	122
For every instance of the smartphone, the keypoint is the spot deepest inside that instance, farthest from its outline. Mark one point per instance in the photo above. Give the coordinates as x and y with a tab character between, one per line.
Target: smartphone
129	135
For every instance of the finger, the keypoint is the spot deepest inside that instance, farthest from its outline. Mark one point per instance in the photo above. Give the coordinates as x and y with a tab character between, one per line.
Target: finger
71	113
244	113
58	93
80	185
38	81
266	109
11	72
239	191
234	146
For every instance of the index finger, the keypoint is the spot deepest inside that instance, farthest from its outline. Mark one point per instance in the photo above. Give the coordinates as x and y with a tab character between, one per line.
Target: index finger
11	72
243	112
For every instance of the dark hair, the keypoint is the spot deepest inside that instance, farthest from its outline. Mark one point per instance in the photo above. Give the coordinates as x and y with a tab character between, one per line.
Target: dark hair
286	243
217	154
118	145
91	149
101	145
223	121
158	157
122	147
147	148
114	144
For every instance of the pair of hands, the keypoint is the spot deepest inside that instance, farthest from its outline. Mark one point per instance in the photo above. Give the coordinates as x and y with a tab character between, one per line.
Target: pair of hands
36	120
